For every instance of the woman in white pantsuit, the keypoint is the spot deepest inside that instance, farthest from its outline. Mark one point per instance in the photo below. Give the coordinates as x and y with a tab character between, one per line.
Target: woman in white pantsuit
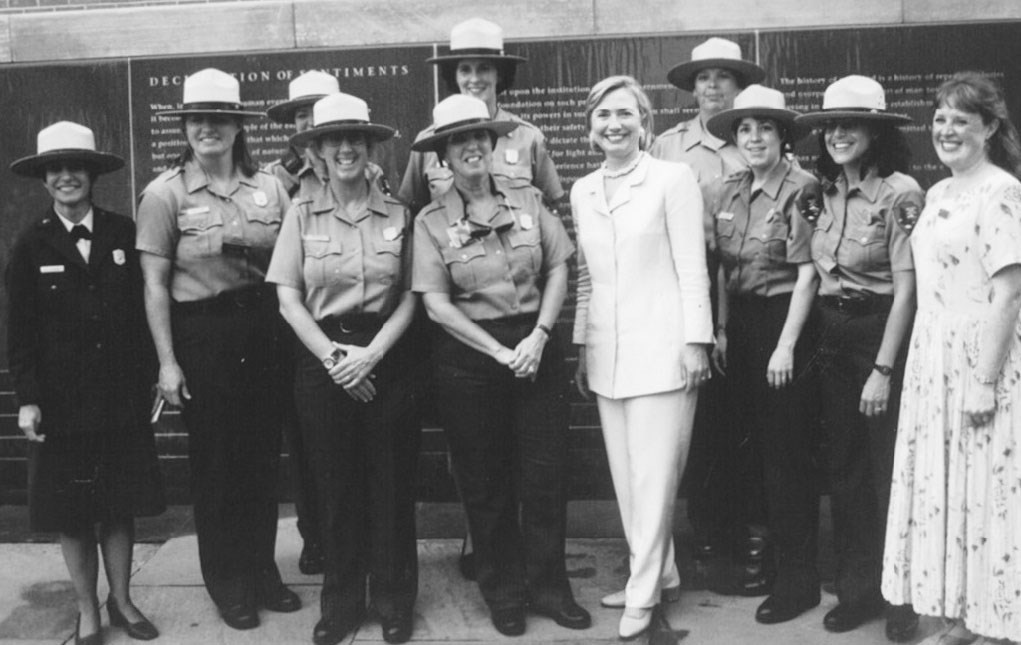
643	321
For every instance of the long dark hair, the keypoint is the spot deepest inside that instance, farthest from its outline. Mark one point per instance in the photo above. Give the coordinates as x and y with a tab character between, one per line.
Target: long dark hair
505	73
888	152
978	94
239	151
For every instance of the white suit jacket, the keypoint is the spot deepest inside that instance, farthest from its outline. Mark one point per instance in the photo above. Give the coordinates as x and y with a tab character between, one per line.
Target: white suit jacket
643	289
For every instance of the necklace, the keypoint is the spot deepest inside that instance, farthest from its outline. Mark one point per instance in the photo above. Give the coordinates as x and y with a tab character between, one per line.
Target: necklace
614	174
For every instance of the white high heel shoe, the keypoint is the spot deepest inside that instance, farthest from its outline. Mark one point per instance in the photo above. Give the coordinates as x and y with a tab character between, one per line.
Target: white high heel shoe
634	622
617	600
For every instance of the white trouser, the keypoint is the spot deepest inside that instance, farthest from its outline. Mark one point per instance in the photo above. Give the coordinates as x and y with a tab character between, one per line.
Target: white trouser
647	439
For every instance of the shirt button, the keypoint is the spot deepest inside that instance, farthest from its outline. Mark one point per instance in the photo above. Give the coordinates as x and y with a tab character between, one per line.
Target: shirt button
514	306
464	256
499	252
864	239
99	345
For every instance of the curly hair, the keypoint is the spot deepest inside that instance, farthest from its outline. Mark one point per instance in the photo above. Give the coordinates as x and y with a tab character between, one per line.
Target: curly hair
976	93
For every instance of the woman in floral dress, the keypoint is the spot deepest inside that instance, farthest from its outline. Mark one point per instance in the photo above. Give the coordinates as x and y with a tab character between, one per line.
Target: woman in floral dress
953	545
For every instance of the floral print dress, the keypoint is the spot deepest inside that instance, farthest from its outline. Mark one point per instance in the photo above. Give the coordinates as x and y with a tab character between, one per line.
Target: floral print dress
953	541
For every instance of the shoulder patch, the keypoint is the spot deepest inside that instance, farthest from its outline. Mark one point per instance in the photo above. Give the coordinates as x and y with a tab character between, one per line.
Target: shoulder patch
810	203
907	214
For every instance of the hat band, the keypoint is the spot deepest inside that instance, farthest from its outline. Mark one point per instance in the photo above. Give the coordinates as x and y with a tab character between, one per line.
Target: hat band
459	124
328	124
468	52
863	110
212	106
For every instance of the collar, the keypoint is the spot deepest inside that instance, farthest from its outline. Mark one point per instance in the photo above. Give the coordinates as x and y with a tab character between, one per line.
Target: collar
868	187
774	182
195	178
87	221
696	135
455	205
325	201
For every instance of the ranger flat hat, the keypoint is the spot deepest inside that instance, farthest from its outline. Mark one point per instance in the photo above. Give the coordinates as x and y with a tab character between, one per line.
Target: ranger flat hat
210	91
755	101
66	141
341	113
853	97
460	113
301	92
715	52
476	38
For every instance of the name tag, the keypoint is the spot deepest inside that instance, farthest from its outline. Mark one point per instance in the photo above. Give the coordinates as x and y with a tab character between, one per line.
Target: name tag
725	216
51	268
195	210
316	238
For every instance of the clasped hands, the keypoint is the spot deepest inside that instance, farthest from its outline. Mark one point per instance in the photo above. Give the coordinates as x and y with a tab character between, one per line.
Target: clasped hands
524	359
353	372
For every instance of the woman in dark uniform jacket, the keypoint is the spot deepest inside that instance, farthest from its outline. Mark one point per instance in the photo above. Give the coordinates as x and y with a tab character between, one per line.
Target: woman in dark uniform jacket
342	266
491	263
866	304
206	229
79	356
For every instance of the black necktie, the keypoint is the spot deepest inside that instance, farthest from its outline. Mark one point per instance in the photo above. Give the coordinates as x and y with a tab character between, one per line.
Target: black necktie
79	232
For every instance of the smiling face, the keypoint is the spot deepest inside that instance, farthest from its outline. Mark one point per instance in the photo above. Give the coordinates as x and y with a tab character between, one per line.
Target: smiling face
69	184
346	155
478	77
759	141
616	125
960	138
303	118
847	141
715	90
470	154
211	135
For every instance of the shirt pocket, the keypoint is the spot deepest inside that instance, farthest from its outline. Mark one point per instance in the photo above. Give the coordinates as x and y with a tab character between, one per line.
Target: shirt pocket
201	233
387	260
263	226
526	250
727	240
866	246
323	261
822	245
774	240
55	291
466	266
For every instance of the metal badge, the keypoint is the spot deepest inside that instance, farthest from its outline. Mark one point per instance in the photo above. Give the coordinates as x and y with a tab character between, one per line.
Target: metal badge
260	198
118	257
725	216
510	155
526	221
391	233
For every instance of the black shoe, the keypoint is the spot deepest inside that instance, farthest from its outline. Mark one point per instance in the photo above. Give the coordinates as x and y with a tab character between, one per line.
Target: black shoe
330	631
901	623
311	561
143	630
466	562
756	580
849	615
277	597
509	621
240	616
397	628
567	613
777	609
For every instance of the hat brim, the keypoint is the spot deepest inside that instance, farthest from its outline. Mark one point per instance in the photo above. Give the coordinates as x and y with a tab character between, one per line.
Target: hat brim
683	75
373	131
721	125
816	119
284	112
453	57
97	162
226	112
429	143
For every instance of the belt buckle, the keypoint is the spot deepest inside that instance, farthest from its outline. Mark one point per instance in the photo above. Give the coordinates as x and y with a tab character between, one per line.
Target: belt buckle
343	328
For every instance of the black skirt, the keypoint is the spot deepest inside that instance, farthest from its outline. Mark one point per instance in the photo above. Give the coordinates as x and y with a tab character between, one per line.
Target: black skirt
75	481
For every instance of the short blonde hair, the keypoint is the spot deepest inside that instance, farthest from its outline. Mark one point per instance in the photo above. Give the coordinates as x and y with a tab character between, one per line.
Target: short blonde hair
611	84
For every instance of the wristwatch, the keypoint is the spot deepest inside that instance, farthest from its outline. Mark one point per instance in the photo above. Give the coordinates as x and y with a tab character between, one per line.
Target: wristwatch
885	370
330	361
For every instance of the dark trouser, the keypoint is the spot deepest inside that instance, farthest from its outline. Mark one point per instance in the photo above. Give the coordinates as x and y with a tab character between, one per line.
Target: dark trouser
508	440
860	449
230	351
364	457
779	469
306	505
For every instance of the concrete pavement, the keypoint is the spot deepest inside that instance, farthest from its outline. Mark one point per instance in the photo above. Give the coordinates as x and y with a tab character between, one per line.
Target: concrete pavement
36	597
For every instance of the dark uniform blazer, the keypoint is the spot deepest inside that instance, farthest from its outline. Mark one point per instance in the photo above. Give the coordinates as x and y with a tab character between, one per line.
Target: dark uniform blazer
77	337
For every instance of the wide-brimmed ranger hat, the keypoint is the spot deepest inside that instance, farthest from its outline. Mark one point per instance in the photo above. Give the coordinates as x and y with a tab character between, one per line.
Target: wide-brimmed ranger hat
853	98
715	52
66	141
460	113
477	38
341	113
759	102
303	92
210	91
